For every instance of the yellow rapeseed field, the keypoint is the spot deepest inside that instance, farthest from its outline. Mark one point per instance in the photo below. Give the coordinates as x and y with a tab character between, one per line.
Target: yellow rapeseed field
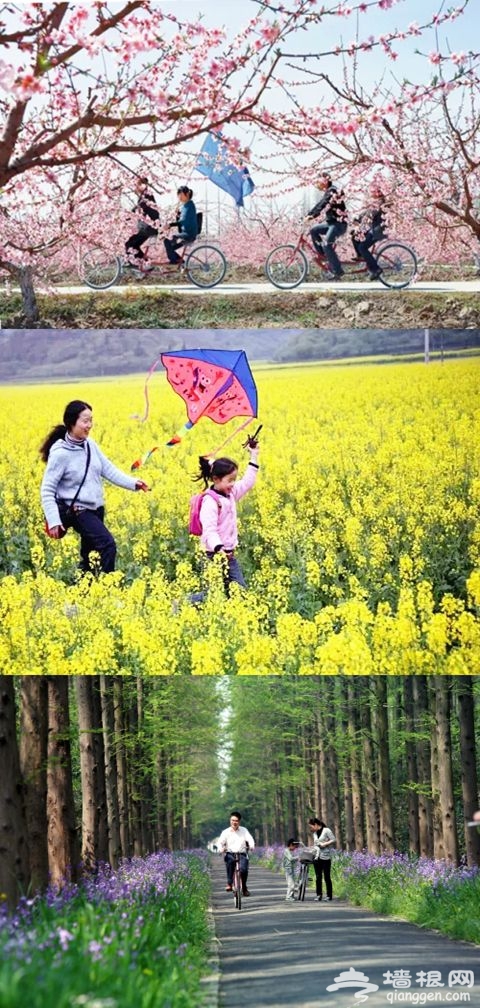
360	542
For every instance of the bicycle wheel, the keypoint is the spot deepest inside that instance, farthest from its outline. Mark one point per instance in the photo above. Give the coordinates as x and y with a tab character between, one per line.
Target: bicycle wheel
99	270
303	882
286	267
237	886
398	264
205	266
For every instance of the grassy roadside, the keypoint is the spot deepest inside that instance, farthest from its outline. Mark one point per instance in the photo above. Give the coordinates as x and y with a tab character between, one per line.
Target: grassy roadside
428	893
295	309
138	936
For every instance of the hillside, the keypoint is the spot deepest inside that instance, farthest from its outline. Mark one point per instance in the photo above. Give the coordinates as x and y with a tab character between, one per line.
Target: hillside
56	354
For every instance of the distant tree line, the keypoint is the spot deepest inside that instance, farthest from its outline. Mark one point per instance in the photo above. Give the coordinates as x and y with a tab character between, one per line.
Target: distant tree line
390	763
335	344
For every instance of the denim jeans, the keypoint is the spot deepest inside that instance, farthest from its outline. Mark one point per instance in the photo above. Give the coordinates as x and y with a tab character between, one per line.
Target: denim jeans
363	245
233	573
331	233
230	865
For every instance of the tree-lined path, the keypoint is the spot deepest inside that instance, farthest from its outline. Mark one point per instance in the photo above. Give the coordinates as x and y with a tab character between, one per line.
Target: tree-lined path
274	954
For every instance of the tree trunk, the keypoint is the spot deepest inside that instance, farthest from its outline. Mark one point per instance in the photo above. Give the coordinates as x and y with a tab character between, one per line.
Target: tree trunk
161	799
114	842
121	762
412	773
443	703
423	755
145	778
63	847
33	762
333	789
448	845
101	787
92	769
353	695
438	844
134	777
468	763
317	787
387	842
14	860
372	819
23	275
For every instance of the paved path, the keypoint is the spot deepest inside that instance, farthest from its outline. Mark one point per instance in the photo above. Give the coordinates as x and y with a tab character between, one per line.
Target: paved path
275	954
433	286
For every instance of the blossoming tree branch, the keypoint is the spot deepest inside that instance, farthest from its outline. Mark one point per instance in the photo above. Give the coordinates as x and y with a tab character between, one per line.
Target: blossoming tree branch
90	93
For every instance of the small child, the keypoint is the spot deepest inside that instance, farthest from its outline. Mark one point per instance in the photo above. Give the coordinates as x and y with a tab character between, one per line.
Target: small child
218	515
288	865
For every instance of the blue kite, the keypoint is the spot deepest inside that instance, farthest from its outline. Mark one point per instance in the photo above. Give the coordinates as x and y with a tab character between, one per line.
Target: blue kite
213	162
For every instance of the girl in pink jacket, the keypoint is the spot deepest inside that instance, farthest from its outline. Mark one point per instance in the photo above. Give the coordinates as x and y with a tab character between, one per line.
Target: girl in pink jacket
218	511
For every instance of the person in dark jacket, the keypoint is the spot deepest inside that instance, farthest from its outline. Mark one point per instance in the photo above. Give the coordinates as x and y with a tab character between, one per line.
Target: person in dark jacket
147	222
370	228
333	206
186	224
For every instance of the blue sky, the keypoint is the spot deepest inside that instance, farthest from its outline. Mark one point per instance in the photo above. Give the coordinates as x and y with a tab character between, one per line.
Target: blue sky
459	36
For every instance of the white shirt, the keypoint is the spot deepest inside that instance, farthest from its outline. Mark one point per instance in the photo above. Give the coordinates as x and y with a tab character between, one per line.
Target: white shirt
235	841
325	853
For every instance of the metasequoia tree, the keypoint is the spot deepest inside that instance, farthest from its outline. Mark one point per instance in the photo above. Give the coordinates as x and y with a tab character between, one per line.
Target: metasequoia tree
62	830
33	763
14	860
81	85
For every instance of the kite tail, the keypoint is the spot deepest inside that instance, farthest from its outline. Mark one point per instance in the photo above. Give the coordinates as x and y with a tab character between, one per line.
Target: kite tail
141	461
177	437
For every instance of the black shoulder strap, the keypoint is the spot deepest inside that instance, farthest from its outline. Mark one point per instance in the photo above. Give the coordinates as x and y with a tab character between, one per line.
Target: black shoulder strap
83	477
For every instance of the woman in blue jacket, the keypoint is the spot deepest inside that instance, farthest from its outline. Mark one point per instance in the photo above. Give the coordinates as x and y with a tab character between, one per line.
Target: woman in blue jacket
186	223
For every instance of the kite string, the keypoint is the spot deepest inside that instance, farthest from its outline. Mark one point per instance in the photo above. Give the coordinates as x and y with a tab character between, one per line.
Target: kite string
229	438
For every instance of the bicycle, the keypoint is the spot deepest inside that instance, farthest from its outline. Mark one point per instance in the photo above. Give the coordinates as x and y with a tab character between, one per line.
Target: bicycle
306	859
204	265
287	265
237	883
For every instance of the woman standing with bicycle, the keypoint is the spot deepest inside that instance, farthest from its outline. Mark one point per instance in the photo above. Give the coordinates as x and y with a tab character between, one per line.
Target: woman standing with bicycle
324	841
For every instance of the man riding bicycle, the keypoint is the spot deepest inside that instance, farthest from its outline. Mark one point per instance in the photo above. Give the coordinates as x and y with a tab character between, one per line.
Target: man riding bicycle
236	839
335	223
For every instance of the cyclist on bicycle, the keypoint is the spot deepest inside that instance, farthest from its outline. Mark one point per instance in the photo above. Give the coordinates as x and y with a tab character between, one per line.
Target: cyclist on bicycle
236	839
146	223
186	223
372	229
332	203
